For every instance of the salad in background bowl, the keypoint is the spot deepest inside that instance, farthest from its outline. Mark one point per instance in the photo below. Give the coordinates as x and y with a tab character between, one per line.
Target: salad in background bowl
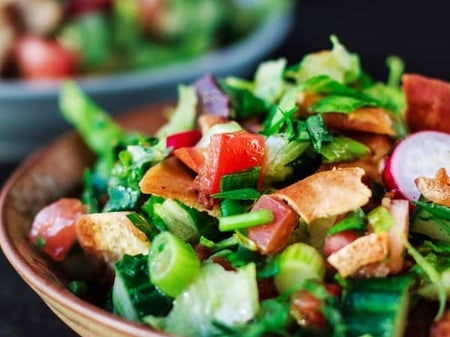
290	204
125	54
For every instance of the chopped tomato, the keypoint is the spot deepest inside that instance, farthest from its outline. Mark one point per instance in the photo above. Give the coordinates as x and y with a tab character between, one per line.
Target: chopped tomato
228	153
183	139
53	228
272	237
38	58
192	157
339	240
80	7
307	309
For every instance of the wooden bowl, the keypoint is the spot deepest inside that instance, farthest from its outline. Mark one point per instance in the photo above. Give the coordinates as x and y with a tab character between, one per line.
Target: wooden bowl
44	177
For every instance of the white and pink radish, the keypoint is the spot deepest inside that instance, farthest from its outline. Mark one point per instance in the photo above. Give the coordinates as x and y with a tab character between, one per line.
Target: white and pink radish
420	154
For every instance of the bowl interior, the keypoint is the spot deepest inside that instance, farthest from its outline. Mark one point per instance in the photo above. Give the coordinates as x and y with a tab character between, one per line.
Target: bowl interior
47	175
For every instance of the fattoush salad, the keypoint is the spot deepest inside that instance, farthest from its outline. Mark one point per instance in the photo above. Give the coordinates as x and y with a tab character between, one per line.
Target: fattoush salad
309	200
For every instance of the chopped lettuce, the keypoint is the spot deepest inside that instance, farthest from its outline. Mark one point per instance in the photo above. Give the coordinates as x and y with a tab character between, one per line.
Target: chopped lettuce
216	296
183	118
280	152
342	149
269	81
337	63
98	129
123	184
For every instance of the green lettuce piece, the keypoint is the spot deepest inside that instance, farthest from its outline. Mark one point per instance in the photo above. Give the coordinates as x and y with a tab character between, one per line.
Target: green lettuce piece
341	104
123	184
342	149
98	129
215	297
281	114
269	81
337	63
380	219
183	118
353	221
280	152
428	267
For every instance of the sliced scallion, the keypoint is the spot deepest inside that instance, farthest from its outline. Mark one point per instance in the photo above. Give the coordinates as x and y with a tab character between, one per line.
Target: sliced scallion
231	207
243	179
239	194
297	263
173	263
245	220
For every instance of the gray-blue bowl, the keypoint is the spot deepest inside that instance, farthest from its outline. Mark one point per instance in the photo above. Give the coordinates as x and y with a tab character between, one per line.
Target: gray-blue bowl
29	113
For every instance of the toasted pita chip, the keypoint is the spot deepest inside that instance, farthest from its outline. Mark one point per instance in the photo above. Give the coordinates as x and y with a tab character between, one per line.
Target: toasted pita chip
364	251
170	179
328	193
107	237
365	119
436	189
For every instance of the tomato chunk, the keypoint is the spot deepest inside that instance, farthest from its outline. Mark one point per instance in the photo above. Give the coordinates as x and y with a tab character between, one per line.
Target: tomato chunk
53	228
38	58
339	240
229	153
272	237
192	157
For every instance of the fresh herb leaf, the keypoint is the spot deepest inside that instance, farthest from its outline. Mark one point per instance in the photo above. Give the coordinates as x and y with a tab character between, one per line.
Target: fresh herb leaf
244	103
317	131
342	149
353	221
340	104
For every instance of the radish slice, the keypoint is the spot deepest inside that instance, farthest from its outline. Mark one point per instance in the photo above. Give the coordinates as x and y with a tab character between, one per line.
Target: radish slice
418	155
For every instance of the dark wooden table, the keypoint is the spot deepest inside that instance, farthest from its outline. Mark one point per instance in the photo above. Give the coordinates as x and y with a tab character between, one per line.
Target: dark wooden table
416	31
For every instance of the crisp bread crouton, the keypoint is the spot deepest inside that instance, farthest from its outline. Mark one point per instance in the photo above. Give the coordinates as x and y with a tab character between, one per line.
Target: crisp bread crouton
436	189
107	237
325	194
363	251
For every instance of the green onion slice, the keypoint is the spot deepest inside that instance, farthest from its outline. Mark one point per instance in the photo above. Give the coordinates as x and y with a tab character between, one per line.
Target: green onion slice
297	263
173	264
245	220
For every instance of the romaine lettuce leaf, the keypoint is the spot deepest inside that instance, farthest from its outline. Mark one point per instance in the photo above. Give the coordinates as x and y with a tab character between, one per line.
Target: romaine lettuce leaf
226	297
183	117
269	80
337	63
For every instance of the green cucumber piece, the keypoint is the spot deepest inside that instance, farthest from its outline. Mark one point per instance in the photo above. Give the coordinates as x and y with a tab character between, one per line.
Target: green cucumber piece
377	307
133	296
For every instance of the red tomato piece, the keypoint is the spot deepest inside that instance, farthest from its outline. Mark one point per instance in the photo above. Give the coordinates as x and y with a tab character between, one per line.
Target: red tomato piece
183	139
307	309
272	237
339	240
228	153
80	7
192	157
38	58
53	228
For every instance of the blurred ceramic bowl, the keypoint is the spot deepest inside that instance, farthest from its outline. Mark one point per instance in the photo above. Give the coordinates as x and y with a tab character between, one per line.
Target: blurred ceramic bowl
54	172
29	113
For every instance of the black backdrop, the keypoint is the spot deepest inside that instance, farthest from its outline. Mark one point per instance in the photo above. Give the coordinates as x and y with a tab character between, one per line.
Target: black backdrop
417	31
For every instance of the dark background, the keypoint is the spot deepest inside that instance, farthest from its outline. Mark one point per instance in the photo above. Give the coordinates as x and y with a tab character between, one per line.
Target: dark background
416	31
